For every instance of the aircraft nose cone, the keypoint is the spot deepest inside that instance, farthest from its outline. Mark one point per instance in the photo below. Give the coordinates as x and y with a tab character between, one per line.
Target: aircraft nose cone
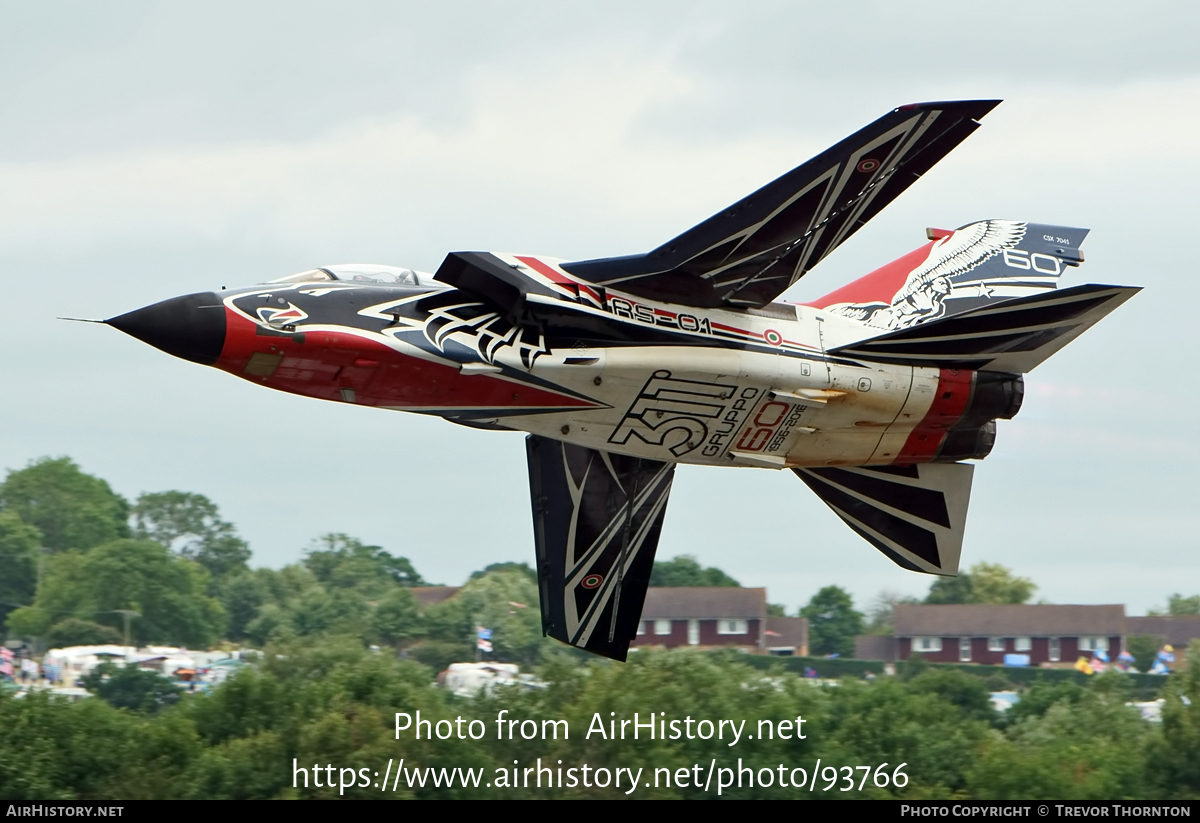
191	327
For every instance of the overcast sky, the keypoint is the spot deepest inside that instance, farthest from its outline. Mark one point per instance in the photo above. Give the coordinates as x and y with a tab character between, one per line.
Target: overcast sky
155	149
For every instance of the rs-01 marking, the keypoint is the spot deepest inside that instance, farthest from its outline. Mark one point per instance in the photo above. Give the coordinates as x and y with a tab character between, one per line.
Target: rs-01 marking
658	317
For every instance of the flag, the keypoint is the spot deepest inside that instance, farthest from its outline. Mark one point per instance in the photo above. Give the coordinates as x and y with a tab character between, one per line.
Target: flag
484	645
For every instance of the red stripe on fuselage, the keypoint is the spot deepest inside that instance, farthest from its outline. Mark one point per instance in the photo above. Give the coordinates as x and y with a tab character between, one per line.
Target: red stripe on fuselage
948	407
880	286
551	273
322	364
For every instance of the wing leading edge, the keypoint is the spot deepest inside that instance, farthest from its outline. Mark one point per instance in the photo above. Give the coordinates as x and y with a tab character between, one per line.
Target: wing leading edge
596	521
749	253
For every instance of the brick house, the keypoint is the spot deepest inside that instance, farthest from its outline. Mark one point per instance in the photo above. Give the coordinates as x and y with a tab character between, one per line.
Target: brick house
787	636
1177	629
975	633
704	616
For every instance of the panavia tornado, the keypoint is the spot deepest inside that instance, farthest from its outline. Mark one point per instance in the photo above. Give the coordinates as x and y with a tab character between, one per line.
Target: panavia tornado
621	368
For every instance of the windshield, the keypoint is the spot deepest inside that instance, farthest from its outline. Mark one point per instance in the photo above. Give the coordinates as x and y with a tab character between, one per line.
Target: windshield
365	273
356	273
310	276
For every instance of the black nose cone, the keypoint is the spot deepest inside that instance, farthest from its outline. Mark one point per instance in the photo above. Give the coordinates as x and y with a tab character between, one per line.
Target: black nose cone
191	327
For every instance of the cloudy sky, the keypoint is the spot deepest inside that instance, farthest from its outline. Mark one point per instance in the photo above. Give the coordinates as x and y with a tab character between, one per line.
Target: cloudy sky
155	149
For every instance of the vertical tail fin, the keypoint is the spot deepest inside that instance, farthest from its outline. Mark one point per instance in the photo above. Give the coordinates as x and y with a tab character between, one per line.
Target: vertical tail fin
958	271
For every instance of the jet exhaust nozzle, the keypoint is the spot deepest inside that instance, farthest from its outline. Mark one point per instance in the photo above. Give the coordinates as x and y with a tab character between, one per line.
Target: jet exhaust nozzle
191	327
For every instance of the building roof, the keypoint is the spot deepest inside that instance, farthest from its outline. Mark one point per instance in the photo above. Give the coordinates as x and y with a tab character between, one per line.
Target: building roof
428	595
1176	629
1018	620
786	632
704	603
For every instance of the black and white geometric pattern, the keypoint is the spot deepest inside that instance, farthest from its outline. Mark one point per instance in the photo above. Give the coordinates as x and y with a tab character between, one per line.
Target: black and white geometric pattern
597	518
915	515
749	253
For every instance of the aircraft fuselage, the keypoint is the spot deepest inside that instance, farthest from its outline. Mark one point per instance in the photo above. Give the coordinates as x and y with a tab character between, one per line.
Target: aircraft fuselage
604	370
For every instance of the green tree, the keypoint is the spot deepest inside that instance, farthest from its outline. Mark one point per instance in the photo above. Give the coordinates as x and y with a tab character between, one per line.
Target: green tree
993	583
76	632
1176	759
330	612
965	691
905	721
505	602
524	568
1090	748
272	623
956	589
1039	697
167	591
685	570
128	687
1144	648
18	563
263	604
832	621
339	561
397	619
191	525
242	595
72	510
983	583
1178	604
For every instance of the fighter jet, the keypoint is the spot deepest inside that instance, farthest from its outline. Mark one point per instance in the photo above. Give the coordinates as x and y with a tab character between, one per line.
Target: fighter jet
621	368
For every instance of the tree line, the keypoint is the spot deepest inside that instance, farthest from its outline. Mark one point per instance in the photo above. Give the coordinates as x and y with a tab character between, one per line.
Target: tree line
326	701
345	645
80	564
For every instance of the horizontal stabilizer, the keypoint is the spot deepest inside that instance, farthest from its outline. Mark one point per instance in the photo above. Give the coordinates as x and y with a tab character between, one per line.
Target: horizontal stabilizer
596	521
1012	336
915	515
747	254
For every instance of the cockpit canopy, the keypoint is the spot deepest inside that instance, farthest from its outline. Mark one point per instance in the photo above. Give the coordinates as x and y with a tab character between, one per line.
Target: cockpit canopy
367	273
